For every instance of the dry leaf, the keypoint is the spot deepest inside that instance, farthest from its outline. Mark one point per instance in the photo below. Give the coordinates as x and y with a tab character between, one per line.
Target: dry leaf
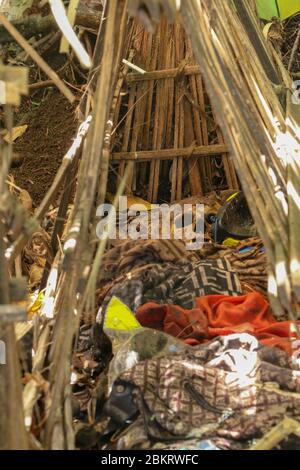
273	32
25	199
38	248
16	133
35	275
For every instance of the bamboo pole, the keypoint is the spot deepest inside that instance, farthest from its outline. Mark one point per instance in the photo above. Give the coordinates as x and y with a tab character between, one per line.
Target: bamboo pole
77	256
13	435
163	74
169	154
277	434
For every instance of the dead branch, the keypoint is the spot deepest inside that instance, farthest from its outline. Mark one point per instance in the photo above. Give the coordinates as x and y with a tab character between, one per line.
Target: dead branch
169	154
36	24
38	59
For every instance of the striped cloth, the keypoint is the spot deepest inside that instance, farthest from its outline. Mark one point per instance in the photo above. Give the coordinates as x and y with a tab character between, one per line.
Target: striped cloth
178	283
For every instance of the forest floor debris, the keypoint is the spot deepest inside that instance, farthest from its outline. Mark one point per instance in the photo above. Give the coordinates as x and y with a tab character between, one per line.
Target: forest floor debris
170	356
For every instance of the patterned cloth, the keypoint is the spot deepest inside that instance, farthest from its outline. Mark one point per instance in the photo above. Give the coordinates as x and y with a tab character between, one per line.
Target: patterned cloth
178	283
231	389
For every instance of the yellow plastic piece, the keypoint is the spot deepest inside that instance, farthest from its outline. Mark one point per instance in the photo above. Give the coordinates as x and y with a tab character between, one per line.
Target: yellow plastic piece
35	305
288	8
119	316
231	197
231	242
283	9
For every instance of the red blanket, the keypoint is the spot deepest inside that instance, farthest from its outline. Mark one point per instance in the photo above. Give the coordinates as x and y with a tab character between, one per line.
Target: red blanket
217	315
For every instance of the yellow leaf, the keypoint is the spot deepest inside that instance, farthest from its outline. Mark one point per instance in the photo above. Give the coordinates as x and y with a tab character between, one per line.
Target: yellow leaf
16	133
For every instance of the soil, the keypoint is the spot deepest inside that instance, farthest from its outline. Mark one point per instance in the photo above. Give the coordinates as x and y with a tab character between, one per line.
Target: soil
51	127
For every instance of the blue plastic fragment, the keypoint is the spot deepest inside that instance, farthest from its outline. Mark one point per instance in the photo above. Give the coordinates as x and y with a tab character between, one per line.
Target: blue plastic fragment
207	445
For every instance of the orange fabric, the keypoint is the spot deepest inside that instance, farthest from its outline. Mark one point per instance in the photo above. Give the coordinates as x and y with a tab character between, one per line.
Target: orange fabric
218	315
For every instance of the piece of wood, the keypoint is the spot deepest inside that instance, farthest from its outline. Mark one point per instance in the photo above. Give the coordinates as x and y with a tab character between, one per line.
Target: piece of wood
163	74
277	434
294	50
198	116
148	88
128	121
117	79
293	176
42	84
13	84
205	133
12	430
189	132
33	25
137	117
229	169
158	112
189	139
13	313
169	154
77	256
177	166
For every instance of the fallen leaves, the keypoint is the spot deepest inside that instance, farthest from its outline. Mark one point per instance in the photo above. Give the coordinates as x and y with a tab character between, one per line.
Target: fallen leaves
15	134
36	253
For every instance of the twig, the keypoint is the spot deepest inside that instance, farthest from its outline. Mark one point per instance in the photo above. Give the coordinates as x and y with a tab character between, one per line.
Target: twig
279	432
134	67
60	219
75	260
37	58
294	50
163	74
23	56
33	25
91	284
43	84
169	154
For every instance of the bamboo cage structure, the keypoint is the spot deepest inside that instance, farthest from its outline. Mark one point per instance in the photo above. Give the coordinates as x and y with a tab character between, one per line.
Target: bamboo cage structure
168	126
